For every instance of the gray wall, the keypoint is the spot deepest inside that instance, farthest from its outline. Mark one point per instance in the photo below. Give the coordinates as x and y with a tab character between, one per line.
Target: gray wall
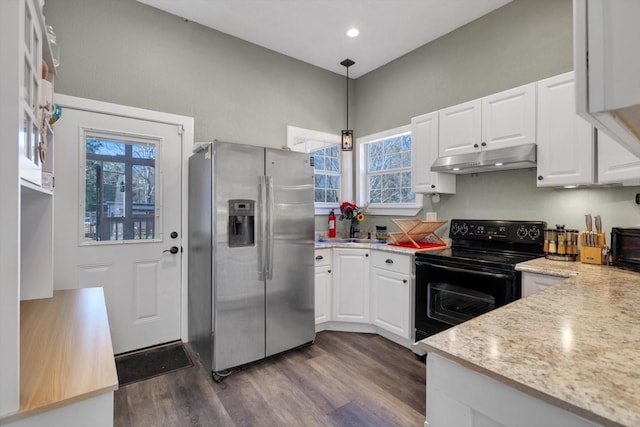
525	41
124	52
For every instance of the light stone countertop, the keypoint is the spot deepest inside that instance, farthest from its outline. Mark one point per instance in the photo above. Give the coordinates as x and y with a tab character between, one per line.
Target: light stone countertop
575	345
370	245
66	354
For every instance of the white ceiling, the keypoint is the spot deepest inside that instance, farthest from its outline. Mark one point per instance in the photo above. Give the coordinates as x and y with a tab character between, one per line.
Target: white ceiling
314	31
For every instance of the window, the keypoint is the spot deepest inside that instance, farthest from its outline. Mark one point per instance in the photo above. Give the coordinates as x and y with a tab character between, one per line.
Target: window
120	181
327	174
332	166
385	173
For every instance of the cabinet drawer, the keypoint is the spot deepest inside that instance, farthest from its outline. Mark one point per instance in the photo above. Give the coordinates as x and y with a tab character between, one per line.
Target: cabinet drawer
391	261
323	257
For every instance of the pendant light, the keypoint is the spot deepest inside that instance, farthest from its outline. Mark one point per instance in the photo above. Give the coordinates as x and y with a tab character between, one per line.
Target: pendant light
347	135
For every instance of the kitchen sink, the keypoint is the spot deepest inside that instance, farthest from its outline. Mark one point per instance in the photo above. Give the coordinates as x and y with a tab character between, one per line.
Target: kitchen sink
351	240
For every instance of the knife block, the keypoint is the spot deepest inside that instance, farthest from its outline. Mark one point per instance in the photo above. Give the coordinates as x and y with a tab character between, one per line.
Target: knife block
593	254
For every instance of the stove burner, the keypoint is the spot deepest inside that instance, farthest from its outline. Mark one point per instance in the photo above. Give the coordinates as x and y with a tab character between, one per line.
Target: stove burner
500	243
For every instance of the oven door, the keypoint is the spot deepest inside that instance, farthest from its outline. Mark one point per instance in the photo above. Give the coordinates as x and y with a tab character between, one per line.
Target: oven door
449	292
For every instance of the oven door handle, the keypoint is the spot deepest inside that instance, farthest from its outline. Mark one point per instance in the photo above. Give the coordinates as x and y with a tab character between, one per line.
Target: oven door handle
464	270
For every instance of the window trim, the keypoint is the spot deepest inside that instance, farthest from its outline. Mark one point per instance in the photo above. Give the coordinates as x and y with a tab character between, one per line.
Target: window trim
321	139
86	132
399	209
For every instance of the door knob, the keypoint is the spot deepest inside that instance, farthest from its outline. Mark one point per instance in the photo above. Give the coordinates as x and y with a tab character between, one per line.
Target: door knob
173	250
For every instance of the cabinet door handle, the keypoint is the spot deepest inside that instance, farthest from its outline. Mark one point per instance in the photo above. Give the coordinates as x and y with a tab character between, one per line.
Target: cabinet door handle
389	261
404	280
475	145
328	271
319	257
366	255
484	144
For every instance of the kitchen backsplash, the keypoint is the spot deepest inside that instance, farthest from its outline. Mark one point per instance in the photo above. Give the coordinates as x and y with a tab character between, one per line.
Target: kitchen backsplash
514	195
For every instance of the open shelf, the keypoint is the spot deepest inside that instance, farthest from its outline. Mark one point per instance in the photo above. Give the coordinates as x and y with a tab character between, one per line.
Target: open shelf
29	186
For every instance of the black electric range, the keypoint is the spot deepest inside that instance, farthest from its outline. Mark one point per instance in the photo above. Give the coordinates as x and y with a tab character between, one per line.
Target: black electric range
476	274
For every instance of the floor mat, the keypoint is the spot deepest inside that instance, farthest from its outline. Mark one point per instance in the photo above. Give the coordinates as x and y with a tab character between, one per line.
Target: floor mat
151	363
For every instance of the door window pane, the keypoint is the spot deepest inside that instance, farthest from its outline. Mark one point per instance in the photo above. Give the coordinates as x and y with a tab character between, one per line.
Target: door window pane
120	190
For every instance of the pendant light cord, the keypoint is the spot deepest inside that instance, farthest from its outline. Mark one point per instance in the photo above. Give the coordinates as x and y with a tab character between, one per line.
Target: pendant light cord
347	97
347	63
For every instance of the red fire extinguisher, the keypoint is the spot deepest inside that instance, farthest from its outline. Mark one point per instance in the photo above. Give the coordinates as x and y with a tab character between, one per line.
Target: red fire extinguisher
332	224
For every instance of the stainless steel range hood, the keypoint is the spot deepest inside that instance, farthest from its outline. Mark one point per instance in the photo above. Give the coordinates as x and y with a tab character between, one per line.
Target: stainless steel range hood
521	156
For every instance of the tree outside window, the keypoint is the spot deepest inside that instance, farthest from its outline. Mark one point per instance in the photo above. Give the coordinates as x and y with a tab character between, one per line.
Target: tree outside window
388	171
120	188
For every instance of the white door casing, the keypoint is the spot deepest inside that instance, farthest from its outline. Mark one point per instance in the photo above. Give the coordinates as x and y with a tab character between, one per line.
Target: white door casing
143	285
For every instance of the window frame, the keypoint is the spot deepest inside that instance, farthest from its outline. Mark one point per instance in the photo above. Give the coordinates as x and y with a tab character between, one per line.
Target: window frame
85	133
307	140
362	192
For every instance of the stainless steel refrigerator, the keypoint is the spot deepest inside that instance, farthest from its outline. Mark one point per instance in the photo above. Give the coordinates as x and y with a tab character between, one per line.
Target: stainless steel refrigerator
251	230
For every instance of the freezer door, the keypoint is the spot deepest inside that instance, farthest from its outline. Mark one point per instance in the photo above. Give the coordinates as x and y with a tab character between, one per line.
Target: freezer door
199	250
239	309
290	279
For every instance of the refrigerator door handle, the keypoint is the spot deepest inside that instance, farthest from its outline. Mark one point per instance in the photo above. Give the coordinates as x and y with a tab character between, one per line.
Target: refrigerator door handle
262	242
269	235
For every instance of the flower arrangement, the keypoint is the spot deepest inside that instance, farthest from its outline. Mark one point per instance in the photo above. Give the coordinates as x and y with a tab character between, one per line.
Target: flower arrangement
352	211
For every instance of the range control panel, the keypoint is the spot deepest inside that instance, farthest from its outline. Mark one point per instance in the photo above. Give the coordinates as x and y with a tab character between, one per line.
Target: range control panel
506	231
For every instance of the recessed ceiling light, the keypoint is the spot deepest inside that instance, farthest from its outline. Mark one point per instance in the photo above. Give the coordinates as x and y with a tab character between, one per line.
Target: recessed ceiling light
353	32
498	164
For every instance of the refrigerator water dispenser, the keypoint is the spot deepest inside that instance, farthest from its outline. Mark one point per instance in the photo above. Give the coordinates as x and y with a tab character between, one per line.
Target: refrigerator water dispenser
241	223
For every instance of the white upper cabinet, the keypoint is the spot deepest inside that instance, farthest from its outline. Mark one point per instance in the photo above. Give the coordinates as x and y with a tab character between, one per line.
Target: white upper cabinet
616	164
504	119
424	151
607	65
509	118
460	129
565	140
30	64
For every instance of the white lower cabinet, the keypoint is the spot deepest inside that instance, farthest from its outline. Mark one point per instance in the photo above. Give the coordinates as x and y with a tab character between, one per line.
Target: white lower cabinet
323	285
536	282
391	292
350	285
459	396
365	290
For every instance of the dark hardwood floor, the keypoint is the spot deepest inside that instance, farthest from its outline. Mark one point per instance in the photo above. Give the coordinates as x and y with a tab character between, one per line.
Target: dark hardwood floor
344	379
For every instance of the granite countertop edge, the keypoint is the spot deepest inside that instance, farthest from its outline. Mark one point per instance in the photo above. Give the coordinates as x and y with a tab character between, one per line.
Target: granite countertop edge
574	344
377	246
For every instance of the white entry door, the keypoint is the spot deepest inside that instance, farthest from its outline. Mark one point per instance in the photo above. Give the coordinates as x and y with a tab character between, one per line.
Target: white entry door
117	225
